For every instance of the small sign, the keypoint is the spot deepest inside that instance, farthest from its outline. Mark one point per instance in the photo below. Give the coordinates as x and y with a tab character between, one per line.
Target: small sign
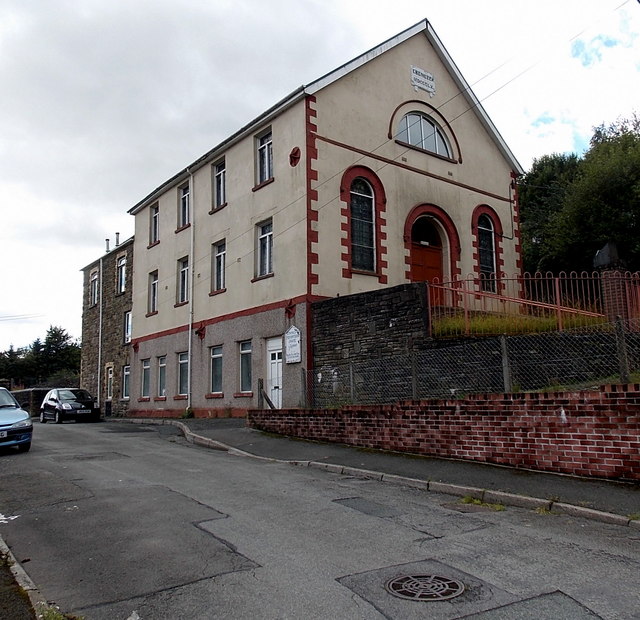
292	350
423	79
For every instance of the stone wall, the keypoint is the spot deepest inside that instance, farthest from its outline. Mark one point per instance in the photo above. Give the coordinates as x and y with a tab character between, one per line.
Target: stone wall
103	345
376	324
582	433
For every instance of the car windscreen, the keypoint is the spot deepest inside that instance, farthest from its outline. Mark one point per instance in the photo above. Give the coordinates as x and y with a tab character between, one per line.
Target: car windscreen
7	400
75	395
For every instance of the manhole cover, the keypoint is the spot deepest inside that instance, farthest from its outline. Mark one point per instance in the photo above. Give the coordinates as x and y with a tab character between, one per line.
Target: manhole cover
424	587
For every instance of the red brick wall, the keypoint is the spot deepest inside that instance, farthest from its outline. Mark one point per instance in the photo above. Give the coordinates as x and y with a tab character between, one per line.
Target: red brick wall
584	433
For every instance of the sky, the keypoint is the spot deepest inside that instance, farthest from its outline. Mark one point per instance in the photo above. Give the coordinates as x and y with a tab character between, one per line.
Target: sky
104	100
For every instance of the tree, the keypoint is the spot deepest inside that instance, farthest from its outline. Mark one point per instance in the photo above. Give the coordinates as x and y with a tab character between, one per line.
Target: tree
570	207
43	363
542	192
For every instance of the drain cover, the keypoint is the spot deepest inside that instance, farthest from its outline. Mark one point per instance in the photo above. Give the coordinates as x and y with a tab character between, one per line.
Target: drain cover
424	587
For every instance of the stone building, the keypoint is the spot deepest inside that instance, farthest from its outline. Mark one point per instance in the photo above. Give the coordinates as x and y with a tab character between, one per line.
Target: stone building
384	172
105	368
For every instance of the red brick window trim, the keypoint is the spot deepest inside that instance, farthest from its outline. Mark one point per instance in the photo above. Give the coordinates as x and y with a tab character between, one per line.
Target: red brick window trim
486	230
379	221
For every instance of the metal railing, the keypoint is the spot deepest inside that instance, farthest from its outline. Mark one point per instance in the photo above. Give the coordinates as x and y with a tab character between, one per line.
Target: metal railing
531	303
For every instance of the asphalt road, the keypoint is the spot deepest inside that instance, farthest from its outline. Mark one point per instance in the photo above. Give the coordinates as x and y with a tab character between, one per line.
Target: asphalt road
116	521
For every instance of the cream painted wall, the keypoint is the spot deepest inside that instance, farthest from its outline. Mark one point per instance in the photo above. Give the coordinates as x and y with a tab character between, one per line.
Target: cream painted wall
367	99
283	200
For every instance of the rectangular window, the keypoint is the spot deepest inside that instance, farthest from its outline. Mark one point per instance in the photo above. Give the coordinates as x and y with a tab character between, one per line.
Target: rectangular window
154	224
153	292
219	253
183	280
265	248
219	184
216	370
265	157
126	381
245	366
145	386
127	327
121	274
183	373
183	206
109	382
93	288
162	375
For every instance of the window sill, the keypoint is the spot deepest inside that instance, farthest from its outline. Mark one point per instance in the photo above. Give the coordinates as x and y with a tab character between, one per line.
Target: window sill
153	245
243	395
180	303
144	399
157	399
214	395
180	397
218	292
264	277
362	272
181	228
151	313
262	184
413	147
218	208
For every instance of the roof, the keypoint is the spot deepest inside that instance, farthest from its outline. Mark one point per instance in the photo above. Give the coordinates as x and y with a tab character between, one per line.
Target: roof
423	26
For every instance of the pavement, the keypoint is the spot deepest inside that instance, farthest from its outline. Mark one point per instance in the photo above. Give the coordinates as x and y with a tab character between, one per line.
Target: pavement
597	499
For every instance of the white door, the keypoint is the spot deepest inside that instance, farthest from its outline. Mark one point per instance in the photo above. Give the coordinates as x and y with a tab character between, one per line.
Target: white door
274	371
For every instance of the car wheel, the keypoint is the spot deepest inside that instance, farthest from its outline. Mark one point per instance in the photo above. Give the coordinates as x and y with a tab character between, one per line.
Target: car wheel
24	447
43	420
58	418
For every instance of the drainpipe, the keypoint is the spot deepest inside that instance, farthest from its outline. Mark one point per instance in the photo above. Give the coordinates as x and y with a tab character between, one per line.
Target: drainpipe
99	386
192	215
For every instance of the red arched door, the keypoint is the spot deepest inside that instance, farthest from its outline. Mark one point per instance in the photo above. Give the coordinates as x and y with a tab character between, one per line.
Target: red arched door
426	251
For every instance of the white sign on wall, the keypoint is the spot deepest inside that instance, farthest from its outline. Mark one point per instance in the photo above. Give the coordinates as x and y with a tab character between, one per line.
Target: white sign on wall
292	349
423	79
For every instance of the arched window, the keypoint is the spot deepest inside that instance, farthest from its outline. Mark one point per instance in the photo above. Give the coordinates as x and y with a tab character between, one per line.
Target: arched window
422	131
362	225
487	253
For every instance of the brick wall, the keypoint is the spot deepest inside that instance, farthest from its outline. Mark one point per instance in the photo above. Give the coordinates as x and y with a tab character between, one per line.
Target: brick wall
583	433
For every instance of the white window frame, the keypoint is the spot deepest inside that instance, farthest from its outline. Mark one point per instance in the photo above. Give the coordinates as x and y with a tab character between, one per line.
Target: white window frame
264	232
245	365
218	266
417	129
121	274
153	291
219	184
183	373
264	156
127	327
126	381
184	206
145	378
162	376
216	359
154	224
109	382
93	288
182	294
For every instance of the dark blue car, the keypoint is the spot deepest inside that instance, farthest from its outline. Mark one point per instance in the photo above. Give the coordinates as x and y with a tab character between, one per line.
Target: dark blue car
15	423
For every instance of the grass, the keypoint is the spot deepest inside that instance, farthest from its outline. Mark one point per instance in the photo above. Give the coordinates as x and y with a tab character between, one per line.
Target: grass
512	324
476	502
47	612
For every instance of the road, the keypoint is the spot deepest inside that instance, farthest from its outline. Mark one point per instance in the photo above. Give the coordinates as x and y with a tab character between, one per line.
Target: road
114	521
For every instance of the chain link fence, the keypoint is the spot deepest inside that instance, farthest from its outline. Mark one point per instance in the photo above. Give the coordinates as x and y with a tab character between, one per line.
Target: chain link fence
572	359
